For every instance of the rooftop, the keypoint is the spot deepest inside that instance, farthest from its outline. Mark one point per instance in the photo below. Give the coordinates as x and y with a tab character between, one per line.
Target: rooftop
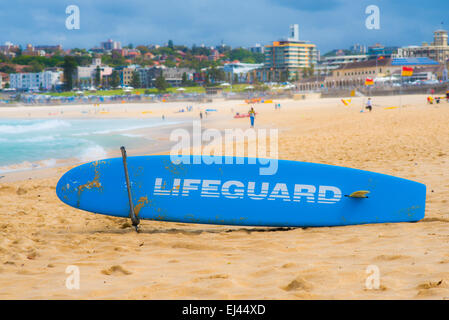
418	61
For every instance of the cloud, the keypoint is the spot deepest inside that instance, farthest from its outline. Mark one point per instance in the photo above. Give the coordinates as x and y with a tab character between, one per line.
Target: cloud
315	5
328	23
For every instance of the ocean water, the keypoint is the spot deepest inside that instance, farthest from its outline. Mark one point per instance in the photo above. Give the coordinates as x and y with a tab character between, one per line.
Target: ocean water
28	144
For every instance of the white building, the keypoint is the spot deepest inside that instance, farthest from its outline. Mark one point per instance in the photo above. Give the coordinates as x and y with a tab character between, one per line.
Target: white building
240	70
46	80
438	50
294	33
85	76
328	64
257	48
110	45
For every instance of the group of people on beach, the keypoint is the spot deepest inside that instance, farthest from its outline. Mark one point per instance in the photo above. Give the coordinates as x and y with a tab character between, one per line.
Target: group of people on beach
431	100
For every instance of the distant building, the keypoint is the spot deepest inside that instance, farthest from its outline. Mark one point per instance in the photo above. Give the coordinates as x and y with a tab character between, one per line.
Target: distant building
48	48
4	78
110	45
328	64
173	76
438	50
257	48
31	51
214	55
354	74
8	49
46	80
126	75
199	77
379	50
85	76
288	57
131	53
358	48
294	33
241	71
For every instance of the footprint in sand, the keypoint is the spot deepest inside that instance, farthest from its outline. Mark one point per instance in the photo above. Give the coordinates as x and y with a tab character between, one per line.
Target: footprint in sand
115	270
429	289
298	284
430	285
20	191
391	257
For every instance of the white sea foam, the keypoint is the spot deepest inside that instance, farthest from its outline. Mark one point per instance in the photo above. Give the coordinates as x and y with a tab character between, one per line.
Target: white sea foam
26	165
82	134
93	153
151	125
130	135
29	140
33	127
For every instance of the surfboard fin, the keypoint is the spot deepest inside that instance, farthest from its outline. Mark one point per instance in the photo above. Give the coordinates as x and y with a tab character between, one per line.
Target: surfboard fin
359	194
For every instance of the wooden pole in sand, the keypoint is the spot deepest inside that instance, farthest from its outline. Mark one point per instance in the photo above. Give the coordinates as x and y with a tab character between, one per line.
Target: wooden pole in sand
135	220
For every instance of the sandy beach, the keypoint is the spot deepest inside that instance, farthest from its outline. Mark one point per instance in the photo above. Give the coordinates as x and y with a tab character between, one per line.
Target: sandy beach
40	236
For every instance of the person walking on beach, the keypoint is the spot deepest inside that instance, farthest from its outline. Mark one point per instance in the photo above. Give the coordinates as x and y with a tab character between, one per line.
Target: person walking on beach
252	116
201	115
369	105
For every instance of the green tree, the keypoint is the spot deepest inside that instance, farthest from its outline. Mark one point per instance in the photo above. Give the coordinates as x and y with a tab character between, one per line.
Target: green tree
7	69
69	72
115	79
284	76
97	76
135	80
160	83
170	44
143	49
184	79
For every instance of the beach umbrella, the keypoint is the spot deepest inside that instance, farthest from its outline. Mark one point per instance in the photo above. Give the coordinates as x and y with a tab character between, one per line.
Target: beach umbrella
249	88
180	89
225	84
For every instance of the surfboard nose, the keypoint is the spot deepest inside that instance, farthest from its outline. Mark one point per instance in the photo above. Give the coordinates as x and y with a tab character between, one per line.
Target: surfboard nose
63	189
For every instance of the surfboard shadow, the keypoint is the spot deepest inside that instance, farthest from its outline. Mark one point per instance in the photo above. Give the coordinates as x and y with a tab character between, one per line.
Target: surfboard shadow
144	230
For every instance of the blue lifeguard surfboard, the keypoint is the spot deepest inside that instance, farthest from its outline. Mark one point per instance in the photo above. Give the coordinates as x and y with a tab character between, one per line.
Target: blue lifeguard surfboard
298	195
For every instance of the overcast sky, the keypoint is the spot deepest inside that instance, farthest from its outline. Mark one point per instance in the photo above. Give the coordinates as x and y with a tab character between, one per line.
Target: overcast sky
330	24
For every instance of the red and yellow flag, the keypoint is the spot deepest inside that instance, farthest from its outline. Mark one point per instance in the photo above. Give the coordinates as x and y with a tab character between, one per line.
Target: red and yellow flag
407	71
369	82
381	58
